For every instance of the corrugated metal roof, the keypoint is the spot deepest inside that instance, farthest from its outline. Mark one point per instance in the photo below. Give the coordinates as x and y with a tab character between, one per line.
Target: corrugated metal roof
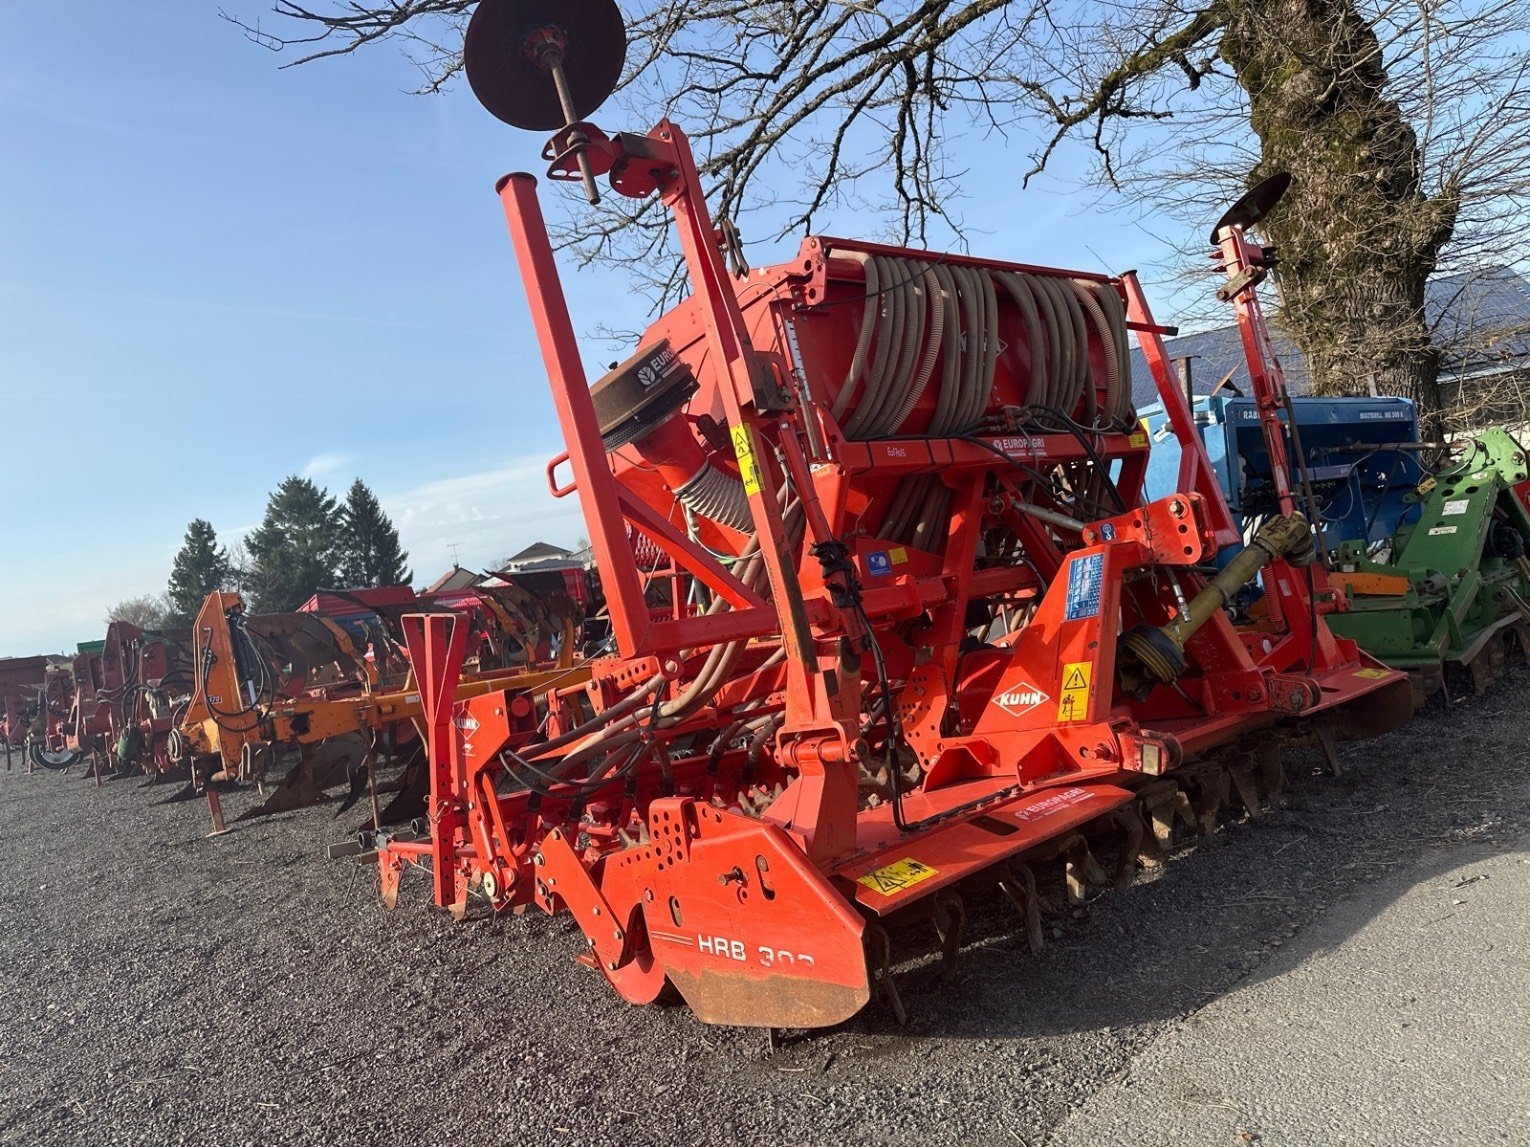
1481	320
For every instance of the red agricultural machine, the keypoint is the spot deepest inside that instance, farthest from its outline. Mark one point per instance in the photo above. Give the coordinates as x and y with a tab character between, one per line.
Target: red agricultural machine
269	683
115	705
21	680
89	725
144	684
53	721
938	642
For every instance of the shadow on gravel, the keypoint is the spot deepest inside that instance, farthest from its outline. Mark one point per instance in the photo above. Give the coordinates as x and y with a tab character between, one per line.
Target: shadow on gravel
1232	908
161	987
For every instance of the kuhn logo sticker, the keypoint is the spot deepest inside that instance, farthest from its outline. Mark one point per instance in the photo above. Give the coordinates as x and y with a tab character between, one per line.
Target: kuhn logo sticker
1020	698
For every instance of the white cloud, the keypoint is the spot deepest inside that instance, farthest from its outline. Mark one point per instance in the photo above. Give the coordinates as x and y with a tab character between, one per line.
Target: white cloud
488	515
326	463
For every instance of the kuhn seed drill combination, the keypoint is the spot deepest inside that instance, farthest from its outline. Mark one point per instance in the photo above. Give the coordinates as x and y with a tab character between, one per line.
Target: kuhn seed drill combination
921	634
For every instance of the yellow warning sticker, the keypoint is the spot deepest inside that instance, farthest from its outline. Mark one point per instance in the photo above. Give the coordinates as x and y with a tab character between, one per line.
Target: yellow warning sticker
748	468
1073	701
1373	674
896	877
1137	438
897	555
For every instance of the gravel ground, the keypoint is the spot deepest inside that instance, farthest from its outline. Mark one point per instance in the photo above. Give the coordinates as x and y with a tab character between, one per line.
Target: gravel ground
160	987
1384	1035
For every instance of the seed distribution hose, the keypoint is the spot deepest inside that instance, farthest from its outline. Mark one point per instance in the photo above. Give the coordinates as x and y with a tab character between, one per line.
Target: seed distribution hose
920	316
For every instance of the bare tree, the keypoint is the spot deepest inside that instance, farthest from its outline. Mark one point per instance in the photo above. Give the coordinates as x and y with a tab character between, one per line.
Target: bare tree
146	612
1404	123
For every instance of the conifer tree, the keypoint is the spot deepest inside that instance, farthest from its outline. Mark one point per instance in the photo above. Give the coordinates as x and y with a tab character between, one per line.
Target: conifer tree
370	553
201	568
296	549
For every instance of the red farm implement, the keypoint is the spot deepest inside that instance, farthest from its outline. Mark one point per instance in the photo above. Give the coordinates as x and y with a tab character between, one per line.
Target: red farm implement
121	706
21	681
940	643
143	680
267	684
67	723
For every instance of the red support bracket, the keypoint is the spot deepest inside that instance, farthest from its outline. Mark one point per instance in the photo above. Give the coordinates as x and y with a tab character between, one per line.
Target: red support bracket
436	643
1195	471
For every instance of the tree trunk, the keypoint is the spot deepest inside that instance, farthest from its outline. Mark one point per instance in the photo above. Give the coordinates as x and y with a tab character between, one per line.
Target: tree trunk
1358	237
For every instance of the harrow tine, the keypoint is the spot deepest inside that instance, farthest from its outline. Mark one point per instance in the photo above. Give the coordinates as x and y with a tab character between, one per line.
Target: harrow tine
1080	870
1242	774
878	958
1270	768
1485	666
1019	884
950	916
1133	832
1522	632
1213	790
1161	802
1330	748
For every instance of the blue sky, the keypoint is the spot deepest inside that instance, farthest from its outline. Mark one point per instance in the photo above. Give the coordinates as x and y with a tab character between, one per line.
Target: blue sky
214	273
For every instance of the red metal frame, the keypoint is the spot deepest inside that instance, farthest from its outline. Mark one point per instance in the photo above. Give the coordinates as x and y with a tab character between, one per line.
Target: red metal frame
727	847
21	678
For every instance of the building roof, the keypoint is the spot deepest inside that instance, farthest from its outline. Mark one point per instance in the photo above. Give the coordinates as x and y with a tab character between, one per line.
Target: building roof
539	551
1480	320
543	556
454	578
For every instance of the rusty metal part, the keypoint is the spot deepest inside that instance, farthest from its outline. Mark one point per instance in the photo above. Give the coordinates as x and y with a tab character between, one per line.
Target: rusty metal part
345	760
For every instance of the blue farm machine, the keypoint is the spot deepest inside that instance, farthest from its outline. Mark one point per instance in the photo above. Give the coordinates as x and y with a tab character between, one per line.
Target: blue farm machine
1425	543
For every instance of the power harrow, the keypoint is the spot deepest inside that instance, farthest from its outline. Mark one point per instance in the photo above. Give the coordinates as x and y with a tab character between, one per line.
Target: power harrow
1448	593
913	634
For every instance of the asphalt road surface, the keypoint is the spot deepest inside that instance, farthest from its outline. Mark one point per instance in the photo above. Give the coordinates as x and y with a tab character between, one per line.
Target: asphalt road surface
1348	969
